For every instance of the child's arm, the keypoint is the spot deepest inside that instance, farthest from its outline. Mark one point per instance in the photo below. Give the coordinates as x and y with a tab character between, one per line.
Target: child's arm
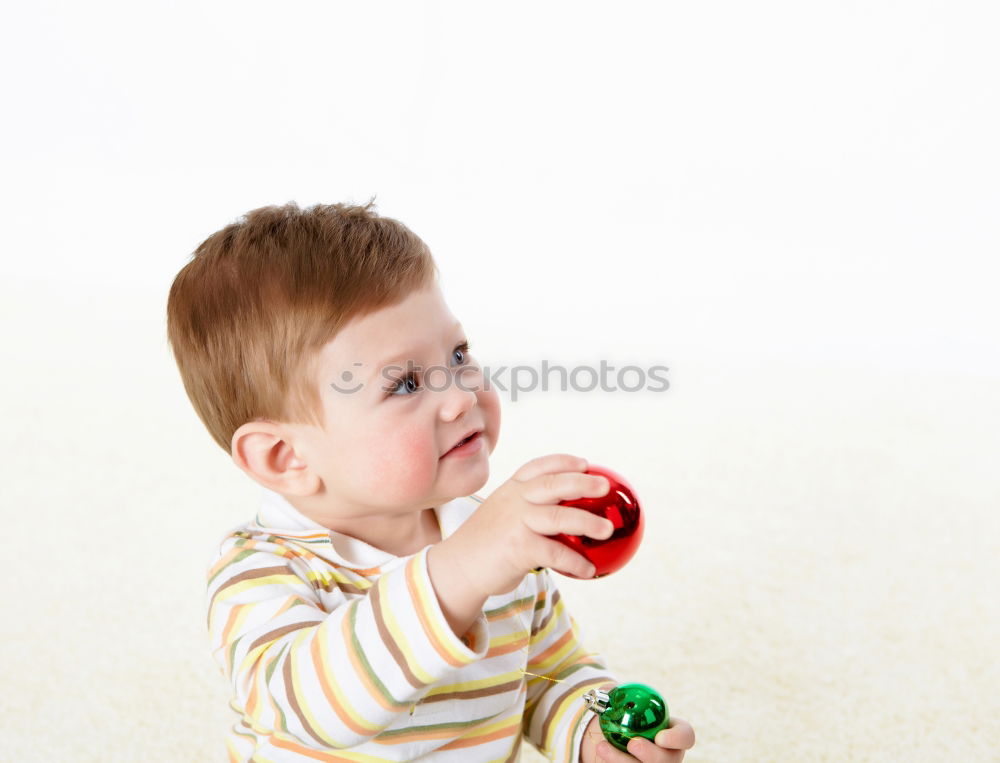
328	679
459	601
555	715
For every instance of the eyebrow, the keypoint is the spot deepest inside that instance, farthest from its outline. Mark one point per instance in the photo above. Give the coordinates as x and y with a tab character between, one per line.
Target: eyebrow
380	366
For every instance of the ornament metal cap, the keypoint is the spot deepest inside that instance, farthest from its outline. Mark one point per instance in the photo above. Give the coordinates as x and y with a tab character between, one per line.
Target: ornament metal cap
597	700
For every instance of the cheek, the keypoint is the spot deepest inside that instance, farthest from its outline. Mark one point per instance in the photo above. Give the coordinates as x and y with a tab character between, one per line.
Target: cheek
489	402
400	463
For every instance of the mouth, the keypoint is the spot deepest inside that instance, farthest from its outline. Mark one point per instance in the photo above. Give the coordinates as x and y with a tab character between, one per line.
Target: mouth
469	438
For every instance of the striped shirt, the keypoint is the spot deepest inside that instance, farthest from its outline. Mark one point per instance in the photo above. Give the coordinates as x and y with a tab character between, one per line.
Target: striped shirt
336	650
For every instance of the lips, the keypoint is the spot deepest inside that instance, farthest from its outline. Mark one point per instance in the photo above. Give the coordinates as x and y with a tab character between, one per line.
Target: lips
468	436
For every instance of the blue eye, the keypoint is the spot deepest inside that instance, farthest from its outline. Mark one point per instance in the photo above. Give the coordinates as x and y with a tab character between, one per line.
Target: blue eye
408	384
462	351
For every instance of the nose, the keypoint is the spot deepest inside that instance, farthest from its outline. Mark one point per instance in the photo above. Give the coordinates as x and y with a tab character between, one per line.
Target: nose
460	395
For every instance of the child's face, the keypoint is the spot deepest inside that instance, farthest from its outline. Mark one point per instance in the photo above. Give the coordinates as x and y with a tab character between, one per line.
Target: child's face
381	449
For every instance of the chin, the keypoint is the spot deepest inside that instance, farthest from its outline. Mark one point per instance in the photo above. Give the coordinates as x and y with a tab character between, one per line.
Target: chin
473	482
478	485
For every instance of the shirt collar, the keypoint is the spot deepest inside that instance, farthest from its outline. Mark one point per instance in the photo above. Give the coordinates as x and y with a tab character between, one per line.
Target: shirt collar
278	517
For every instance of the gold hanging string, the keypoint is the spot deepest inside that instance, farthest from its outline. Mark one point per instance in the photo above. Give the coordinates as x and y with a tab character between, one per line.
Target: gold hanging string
596	735
547	678
527	651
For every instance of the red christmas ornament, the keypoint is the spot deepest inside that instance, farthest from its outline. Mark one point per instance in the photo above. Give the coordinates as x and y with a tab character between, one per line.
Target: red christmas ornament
619	505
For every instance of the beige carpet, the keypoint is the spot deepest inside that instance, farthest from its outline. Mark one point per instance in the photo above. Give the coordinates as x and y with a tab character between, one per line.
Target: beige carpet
818	582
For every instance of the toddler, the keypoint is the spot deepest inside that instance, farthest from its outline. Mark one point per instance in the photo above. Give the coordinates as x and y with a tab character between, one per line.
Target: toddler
376	608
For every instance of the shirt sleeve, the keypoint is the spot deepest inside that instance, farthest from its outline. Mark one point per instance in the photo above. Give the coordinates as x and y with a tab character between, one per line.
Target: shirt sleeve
555	715
327	679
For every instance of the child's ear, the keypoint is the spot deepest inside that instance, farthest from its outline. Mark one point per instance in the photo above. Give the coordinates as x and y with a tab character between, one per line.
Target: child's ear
262	450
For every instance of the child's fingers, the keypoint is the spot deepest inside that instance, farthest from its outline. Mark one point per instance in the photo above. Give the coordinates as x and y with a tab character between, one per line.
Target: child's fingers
677	736
638	749
607	753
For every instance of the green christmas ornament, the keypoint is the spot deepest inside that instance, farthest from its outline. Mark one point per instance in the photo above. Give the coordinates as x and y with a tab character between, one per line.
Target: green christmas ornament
629	710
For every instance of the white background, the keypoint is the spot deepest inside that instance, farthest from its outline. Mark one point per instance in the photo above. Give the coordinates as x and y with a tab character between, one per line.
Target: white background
792	205
816	181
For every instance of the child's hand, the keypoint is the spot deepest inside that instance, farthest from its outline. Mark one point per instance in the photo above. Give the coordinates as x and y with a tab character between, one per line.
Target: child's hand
505	539
670	745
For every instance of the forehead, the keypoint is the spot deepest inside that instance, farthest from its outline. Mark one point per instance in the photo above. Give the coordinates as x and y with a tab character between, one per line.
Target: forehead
414	325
